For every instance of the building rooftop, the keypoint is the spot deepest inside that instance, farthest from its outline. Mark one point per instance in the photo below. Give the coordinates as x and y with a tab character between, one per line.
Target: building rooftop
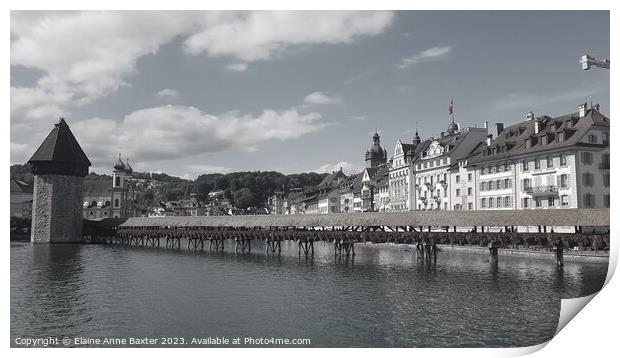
553	133
60	153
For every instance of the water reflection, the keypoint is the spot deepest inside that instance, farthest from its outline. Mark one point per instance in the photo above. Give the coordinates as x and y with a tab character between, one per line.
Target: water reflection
382	297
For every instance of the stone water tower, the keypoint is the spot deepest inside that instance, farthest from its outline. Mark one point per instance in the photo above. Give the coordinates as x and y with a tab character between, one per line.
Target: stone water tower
59	167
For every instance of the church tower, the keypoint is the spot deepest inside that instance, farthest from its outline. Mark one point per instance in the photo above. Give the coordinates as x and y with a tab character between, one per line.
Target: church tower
59	166
122	200
375	155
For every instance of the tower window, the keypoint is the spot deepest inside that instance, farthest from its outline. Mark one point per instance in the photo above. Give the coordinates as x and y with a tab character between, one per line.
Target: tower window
116	205
118	181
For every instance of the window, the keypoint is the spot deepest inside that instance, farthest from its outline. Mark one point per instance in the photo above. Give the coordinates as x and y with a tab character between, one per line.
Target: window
470	206
606	180
469	191
527	183
458	192
592	138
588	179
506	183
445	193
490	202
551	201
116	203
458	179
561	136
562	160
538	202
536	163
469	177
483	203
498	183
499	202
483	170
564	181
118	181
482	186
605	138
498	168
549	162
564	200
526	203
526	165
507	202
606	200
588	200
490	185
91	213
586	158
604	161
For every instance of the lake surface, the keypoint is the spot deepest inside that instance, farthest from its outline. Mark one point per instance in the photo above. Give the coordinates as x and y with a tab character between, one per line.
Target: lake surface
382	298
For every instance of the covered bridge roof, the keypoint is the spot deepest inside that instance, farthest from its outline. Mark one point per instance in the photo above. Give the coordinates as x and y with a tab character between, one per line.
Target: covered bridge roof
549	217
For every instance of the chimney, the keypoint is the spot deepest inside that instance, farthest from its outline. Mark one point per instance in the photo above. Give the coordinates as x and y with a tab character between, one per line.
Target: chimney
583	108
536	126
596	107
486	125
500	127
489	139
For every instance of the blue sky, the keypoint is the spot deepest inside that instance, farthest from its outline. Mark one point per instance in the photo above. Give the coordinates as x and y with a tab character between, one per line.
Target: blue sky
195	92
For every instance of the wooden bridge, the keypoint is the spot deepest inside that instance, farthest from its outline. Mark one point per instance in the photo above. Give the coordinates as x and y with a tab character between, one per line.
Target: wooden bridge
423	229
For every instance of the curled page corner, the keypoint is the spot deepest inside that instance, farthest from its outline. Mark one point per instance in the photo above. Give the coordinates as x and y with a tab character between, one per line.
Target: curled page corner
569	308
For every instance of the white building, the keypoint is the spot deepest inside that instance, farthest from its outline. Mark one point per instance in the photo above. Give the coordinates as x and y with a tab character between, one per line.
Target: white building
435	188
545	162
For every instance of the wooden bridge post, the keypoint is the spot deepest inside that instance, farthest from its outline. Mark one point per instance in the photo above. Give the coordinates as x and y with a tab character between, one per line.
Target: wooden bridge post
559	253
493	252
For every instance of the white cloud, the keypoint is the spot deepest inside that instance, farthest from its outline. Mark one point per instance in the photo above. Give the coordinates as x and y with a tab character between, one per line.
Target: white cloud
84	55
347	168
433	53
237	67
168	93
260	35
175	132
527	101
320	98
358	118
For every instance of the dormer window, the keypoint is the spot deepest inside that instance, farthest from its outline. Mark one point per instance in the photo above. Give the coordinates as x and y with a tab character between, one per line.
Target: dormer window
528	143
543	139
561	136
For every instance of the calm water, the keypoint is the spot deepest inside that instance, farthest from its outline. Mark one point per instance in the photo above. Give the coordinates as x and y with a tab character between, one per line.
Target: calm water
382	298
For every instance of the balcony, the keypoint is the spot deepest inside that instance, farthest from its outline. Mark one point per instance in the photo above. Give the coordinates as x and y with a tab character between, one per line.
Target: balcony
541	190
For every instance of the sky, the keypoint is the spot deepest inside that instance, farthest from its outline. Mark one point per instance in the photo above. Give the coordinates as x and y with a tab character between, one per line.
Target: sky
194	92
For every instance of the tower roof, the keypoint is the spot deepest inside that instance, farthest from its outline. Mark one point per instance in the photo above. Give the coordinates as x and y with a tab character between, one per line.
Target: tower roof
60	153
128	167
119	165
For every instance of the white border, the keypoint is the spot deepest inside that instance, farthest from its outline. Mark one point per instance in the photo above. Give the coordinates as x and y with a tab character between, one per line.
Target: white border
590	333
